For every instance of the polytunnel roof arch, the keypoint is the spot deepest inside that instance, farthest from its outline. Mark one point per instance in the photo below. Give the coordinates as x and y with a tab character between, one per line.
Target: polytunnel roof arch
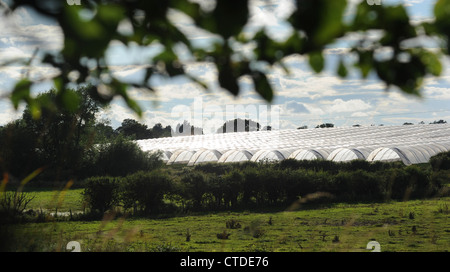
388	154
163	155
235	156
181	156
309	154
270	155
346	154
204	156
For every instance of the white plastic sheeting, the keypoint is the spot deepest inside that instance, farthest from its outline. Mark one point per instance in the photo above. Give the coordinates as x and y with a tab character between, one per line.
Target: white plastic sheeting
270	155
204	156
235	156
410	144
181	156
413	154
309	154
348	154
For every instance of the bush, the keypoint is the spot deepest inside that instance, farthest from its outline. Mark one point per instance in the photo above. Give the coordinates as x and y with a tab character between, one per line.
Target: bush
409	183
123	157
440	161
359	185
101	193
145	191
194	186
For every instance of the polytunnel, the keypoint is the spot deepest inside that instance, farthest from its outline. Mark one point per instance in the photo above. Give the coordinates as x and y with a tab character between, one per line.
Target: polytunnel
387	154
181	156
270	155
309	154
163	155
348	154
407	154
204	156
235	156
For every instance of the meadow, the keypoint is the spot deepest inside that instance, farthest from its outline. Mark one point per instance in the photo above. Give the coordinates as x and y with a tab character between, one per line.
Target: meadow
398	226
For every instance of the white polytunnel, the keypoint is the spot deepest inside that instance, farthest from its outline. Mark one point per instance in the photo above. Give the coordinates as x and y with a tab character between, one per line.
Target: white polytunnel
270	155
413	154
163	155
348	154
309	154
204	156
411	144
235	156
181	157
387	154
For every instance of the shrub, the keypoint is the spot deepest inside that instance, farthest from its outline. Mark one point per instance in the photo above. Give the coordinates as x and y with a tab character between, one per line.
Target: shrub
194	186
358	185
122	157
440	161
145	190
13	204
101	193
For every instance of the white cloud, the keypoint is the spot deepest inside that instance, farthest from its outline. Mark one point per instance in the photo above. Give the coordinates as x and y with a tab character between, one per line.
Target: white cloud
353	105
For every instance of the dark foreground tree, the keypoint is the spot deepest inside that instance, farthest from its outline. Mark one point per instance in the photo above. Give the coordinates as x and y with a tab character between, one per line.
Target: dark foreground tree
316	25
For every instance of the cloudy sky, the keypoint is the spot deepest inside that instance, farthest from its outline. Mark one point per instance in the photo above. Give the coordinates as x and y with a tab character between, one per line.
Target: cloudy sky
301	98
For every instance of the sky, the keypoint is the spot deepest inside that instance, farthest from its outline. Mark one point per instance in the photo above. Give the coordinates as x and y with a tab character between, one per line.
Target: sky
301	97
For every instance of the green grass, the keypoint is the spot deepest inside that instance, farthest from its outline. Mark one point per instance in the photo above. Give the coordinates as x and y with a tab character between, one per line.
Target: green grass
52	199
415	225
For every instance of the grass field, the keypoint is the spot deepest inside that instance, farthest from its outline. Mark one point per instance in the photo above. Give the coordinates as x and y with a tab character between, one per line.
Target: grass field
415	225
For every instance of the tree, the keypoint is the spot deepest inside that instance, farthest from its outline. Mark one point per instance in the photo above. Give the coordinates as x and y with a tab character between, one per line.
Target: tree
439	122
134	129
325	125
57	140
316	25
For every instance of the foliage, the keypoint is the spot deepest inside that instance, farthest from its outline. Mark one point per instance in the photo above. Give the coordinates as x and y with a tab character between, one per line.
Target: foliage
13	203
55	141
122	157
101	193
440	161
145	191
315	24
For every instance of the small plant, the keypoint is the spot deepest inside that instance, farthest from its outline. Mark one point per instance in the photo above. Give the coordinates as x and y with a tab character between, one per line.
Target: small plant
14	203
224	235
443	209
188	235
411	215
232	224
258	233
335	239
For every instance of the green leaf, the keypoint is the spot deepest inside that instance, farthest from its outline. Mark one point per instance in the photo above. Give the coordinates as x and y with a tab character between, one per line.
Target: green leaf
227	19
365	62
228	80
321	20
316	61
432	62
70	100
342	69
262	85
21	92
120	88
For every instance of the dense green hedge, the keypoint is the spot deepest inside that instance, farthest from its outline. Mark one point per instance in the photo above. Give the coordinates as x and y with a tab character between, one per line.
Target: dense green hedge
261	185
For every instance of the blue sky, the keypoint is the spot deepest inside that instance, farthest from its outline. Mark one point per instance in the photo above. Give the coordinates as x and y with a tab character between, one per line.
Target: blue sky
301	98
